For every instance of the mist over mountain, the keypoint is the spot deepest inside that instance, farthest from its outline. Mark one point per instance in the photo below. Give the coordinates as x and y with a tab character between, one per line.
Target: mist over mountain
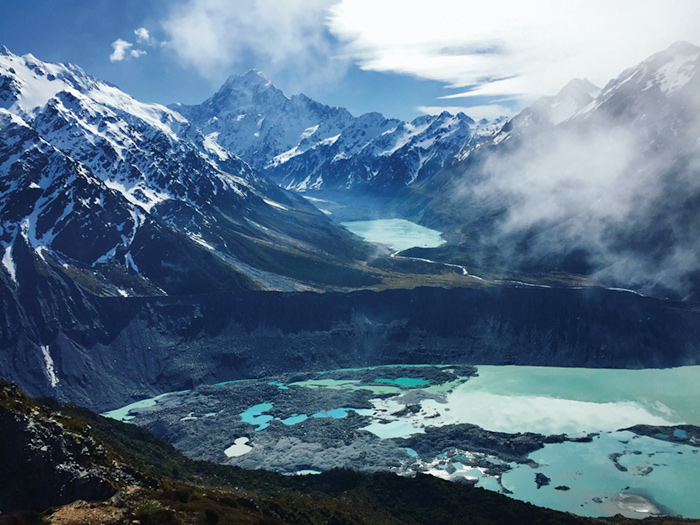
603	184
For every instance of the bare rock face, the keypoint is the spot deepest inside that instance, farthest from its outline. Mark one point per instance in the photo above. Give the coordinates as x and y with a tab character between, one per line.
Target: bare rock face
47	460
109	352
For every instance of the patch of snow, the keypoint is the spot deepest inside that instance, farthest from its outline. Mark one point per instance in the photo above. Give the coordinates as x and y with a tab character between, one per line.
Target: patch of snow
212	146
677	73
314	199
328	141
129	261
501	137
102	259
309	131
199	240
40	251
426	143
275	204
50	370
284	157
138	193
239	448
9	263
123	293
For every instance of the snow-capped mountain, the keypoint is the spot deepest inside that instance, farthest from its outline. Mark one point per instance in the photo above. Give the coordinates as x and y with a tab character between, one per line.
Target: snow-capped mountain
379	155
119	191
309	147
550	111
250	117
604	183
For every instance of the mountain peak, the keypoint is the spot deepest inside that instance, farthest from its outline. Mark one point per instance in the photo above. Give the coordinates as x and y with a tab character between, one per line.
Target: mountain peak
4	50
666	71
682	48
251	77
580	86
573	97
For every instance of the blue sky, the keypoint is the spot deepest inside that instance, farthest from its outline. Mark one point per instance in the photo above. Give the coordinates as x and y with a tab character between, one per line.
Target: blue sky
400	58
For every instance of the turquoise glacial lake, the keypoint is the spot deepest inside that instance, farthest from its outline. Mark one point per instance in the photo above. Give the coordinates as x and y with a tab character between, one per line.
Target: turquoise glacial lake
551	400
665	473
398	234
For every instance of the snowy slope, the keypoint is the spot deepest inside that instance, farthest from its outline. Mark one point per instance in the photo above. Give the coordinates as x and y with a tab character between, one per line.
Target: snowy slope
96	180
309	147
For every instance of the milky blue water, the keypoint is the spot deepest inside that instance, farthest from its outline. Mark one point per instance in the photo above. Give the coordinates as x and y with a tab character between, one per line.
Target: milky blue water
551	400
554	400
672	482
404	381
393	429
254	416
122	414
399	234
294	419
336	413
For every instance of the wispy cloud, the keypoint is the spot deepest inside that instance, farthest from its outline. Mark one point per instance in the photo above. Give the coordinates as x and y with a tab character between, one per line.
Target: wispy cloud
510	48
217	36
142	35
120	48
600	185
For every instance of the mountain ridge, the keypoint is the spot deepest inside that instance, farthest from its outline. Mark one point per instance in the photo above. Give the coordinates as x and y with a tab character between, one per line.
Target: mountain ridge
158	168
322	150
586	187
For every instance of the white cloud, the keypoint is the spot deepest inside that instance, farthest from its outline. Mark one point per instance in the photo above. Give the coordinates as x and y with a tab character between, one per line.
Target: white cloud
215	36
123	49
487	111
120	48
510	47
142	35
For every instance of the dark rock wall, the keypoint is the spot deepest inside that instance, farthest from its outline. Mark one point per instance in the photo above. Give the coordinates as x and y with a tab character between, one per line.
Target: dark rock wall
135	348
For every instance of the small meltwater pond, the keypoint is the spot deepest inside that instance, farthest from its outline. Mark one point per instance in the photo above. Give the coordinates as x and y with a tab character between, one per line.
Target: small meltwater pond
398	234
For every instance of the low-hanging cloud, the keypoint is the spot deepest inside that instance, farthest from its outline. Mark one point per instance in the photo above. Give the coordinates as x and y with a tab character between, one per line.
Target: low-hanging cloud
510	49
619	191
216	36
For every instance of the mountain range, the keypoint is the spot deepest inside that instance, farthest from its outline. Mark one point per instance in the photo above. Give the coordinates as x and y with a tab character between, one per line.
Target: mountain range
601	183
149	249
134	200
128	231
325	152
